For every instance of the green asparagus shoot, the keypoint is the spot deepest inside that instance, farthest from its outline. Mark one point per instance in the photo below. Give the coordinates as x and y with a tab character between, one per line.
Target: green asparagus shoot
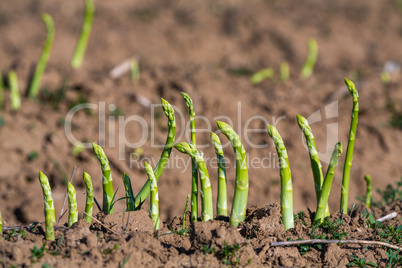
194	182
130	202
369	190
135	70
72	205
351	143
205	189
184	213
239	204
144	192
90	197
1	223
14	91
322	206
41	66
50	216
286	178
154	196
284	69
261	75
106	177
1	91
308	66
221	204
84	36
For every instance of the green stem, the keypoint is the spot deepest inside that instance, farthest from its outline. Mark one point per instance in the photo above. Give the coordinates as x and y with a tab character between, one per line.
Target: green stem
130	202
185	211
144	192
308	66
90	197
239	204
351	143
72	205
154	196
50	216
14	91
369	190
1	224
106	178
41	66
84	36
326	188
221	204
1	91
286	178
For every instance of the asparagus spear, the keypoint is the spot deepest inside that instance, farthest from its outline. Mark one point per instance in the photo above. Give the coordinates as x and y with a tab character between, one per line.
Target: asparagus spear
72	205
84	36
351	143
308	66
107	178
14	91
130	202
369	191
50	216
154	196
286	178
169	112
90	197
40	67
1	91
322	206
194	183
1	224
185	212
239	205
207	212
221	204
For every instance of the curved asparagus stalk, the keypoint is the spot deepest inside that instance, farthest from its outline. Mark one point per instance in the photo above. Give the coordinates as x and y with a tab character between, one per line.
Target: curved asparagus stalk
326	188
169	112
221	203
207	211
351	143
72	205
194	182
90	197
239	204
106	178
84	36
154	196
314	159
130	202
369	191
286	178
14	91
44	57
50	216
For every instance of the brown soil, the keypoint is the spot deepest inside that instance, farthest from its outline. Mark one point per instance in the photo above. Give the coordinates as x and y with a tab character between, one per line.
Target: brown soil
203	48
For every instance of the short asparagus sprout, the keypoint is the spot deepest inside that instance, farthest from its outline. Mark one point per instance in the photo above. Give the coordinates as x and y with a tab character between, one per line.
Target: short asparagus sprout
284	69
135	69
1	224
130	202
194	182
1	91
72	205
326	188
84	36
185	212
106	177
286	178
221	204
50	216
154	196
239	204
369	190
41	66
90	197
207	211
144	192
308	66
261	75
14	91
351	143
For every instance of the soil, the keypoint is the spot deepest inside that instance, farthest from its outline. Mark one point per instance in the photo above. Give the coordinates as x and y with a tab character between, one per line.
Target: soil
208	49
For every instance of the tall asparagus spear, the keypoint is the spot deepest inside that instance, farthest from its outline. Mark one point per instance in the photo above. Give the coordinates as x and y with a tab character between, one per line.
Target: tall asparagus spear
308	66
154	204
14	91
130	202
72	205
322	206
169	112
239	203
351	143
286	178
207	211
221	204
194	183
369	191
106	177
90	197
1	224
50	216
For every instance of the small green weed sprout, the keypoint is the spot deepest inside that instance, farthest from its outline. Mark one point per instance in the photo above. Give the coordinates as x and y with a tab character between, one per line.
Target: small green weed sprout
208	250
37	253
360	262
394	259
